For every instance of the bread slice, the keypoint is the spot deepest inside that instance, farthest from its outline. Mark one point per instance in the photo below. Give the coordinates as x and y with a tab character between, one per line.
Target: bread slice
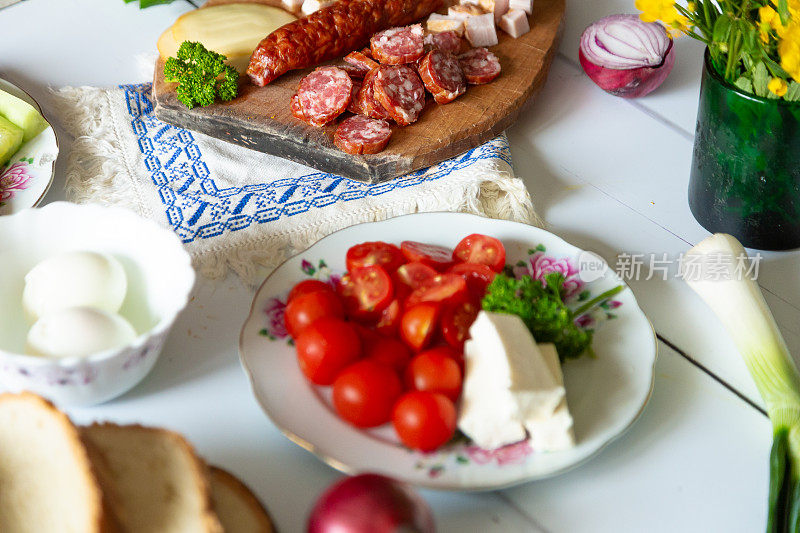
155	481
47	482
237	507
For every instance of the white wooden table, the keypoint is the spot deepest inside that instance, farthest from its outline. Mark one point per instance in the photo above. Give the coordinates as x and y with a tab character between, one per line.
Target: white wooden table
608	175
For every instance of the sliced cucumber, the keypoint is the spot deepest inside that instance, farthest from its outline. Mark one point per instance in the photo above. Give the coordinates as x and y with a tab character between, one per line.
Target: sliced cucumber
23	114
10	140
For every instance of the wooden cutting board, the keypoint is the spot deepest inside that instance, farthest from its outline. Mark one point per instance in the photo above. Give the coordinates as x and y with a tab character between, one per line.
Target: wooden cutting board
259	118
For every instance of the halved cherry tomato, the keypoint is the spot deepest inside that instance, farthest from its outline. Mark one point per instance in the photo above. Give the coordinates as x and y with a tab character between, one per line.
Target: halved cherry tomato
327	347
441	288
478	277
365	393
435	372
482	250
389	320
456	321
437	257
418	324
378	253
366	291
424	420
306	286
415	274
390	352
305	309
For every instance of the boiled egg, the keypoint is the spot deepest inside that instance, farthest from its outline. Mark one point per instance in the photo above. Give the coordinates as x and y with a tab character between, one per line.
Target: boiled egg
78	332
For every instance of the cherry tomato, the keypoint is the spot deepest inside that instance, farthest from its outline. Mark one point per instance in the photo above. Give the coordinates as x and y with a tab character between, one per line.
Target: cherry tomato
365	393
478	277
437	257
307	286
424	420
482	250
448	351
414	275
418	324
441	288
389	320
367	335
456	321
366	291
389	352
435	372
378	253
325	348
305	309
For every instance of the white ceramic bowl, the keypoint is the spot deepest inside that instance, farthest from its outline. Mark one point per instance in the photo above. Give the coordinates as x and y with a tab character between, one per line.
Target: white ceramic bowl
160	278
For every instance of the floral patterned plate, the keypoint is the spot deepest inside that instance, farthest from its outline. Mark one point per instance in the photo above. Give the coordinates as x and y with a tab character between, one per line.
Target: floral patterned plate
25	179
606	394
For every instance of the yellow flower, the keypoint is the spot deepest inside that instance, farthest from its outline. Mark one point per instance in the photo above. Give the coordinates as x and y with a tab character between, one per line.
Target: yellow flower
663	10
770	20
691	7
789	50
777	86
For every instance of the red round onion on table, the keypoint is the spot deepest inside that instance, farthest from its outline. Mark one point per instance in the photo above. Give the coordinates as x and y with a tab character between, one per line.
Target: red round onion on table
626	56
370	503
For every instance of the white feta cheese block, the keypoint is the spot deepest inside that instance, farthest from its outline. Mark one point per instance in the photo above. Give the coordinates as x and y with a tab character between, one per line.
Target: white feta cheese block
480	30
506	382
515	23
553	433
524	5
496	7
437	23
293	5
464	11
310	6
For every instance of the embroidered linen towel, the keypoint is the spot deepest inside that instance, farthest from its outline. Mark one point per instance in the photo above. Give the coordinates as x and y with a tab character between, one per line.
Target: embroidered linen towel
234	208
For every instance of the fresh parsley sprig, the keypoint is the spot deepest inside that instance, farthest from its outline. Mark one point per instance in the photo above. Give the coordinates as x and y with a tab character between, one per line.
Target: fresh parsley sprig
201	75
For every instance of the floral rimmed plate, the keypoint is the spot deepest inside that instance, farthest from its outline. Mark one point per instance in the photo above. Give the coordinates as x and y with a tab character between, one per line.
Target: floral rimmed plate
606	394
25	179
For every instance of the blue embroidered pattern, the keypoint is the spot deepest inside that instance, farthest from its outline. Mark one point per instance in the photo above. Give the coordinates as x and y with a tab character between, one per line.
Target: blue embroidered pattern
197	209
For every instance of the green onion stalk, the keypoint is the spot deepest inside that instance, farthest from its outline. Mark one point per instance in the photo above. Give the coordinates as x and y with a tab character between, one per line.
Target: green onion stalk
736	299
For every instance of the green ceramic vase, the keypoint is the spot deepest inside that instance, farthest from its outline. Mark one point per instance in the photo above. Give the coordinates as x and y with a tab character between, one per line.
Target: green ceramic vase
745	176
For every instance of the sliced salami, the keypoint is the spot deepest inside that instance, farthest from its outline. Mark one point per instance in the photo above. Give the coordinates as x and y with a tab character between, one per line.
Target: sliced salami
353	71
353	106
362	135
397	46
361	61
479	66
400	91
447	41
297	111
366	103
324	94
442	76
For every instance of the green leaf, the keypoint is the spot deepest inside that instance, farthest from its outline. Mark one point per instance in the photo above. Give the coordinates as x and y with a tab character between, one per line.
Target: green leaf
722	29
793	92
760	79
783	11
149	3
744	84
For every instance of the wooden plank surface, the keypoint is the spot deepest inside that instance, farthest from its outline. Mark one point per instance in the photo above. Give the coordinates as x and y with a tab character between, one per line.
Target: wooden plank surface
260	117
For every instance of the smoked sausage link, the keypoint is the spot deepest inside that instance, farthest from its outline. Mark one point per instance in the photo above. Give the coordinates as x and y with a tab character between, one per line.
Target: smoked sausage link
329	33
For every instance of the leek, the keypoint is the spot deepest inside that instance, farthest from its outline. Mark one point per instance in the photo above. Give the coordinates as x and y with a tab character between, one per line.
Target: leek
737	300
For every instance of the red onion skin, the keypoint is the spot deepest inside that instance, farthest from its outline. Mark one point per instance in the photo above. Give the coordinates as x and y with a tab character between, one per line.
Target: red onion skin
370	503
629	83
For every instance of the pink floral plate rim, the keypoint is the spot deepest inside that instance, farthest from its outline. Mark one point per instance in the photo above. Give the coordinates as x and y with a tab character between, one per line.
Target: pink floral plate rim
460	452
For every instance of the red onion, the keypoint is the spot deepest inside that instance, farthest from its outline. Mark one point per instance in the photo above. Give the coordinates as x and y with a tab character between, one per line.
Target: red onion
625	56
370	503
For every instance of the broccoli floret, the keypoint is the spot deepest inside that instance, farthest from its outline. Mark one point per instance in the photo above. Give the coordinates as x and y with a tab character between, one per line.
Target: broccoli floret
542	309
201	75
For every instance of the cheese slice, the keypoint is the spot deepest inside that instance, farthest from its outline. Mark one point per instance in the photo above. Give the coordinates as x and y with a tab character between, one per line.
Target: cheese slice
553	433
507	382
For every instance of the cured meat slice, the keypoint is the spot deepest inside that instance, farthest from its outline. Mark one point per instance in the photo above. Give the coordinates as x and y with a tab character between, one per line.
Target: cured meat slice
329	33
323	95
367	104
397	46
358	59
400	92
442	76
362	135
353	106
353	71
479	66
447	41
